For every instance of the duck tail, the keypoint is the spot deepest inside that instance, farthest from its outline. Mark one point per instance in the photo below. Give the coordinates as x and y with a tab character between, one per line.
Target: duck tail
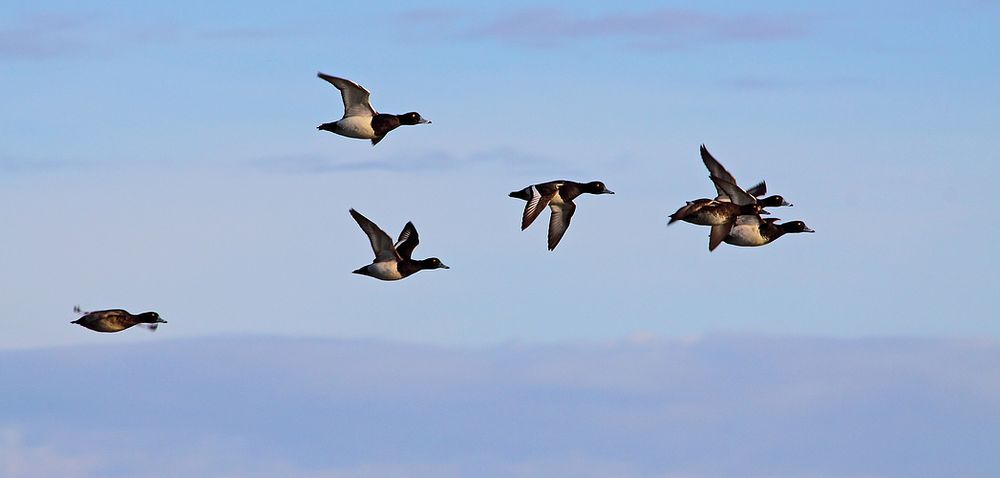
524	194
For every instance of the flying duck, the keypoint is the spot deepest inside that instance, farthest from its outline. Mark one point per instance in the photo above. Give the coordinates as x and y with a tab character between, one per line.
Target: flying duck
752	231
716	169
392	261
558	195
116	320
360	119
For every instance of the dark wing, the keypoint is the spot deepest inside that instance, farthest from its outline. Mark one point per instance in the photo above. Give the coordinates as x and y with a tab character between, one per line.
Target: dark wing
354	95
692	207
536	204
736	194
114	316
719	233
716	169
758	190
559	222
381	242
408	240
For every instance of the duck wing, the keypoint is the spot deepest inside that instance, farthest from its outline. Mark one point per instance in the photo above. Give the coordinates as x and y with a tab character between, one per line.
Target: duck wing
355	96
716	169
537	201
735	193
408	240
758	189
559	221
718	234
691	208
381	242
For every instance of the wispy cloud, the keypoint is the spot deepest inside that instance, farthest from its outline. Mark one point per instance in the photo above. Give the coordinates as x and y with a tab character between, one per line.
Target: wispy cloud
19	459
507	160
657	29
59	35
11	164
46	36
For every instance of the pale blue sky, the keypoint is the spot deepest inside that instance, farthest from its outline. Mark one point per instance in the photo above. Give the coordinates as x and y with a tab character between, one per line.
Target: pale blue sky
165	157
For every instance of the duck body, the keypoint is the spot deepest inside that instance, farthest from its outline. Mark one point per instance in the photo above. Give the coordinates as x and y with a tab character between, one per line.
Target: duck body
710	212
359	127
116	320
753	231
393	261
558	196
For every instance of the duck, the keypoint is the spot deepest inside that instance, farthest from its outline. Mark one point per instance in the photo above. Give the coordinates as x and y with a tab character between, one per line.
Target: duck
360	118
116	320
716	169
721	215
753	231
393	261
558	195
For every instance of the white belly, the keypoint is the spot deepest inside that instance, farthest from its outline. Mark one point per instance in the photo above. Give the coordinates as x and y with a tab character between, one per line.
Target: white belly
385	270
356	127
747	235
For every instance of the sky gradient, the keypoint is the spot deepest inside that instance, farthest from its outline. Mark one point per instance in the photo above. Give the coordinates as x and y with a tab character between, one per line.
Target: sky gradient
164	156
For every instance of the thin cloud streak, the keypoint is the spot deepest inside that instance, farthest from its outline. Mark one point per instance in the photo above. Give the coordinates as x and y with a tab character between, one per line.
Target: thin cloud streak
651	30
64	35
507	160
45	36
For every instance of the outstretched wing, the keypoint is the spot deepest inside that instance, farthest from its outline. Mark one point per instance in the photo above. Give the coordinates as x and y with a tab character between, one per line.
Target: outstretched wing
536	204
408	240
381	242
559	222
736	194
719	232
716	169
355	96
758	189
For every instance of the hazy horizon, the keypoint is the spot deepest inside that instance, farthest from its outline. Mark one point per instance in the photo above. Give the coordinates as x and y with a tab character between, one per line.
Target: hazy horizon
718	406
165	157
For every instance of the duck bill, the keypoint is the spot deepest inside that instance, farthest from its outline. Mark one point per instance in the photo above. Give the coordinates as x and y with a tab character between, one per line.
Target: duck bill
608	191
424	121
442	266
808	230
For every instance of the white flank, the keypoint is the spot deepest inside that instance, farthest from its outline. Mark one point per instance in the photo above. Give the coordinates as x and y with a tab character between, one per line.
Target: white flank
356	127
385	270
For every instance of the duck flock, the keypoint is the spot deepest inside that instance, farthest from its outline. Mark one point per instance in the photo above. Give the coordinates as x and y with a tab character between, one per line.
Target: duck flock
734	215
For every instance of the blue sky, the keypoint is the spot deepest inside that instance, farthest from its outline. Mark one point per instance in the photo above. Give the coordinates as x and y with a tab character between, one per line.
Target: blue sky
164	156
